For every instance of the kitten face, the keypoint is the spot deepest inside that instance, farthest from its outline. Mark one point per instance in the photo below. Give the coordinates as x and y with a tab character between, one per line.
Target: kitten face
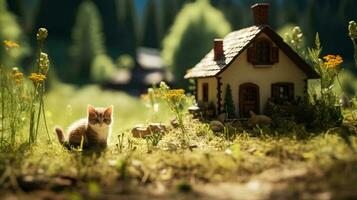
100	117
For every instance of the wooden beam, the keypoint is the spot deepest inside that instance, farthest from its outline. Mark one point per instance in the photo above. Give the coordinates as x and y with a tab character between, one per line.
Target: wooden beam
196	90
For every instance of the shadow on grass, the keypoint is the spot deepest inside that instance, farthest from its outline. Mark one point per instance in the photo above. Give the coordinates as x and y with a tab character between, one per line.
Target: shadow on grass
337	181
345	131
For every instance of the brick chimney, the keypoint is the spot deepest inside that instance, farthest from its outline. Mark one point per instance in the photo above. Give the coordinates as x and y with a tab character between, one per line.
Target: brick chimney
218	49
261	13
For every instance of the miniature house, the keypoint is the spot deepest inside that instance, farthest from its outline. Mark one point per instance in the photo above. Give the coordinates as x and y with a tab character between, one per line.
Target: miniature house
256	63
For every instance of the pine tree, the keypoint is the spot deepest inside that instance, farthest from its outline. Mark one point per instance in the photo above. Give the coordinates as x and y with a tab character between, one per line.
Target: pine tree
191	37
108	13
169	10
228	103
152	32
56	16
233	13
127	20
88	40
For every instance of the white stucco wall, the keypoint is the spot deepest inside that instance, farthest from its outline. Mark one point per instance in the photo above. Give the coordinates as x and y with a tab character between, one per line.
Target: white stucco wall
212	89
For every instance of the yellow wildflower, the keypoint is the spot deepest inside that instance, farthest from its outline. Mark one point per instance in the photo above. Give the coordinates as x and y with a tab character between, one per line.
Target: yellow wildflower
37	78
174	94
10	44
150	95
332	61
17	76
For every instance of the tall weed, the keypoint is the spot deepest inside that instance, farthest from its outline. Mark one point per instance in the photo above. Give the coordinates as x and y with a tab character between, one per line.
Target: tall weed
21	102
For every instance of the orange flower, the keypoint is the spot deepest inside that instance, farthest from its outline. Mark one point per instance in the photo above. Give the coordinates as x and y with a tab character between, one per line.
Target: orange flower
10	44
332	61
17	76
37	78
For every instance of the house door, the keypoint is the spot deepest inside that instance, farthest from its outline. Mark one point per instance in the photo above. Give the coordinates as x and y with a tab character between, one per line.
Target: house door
248	99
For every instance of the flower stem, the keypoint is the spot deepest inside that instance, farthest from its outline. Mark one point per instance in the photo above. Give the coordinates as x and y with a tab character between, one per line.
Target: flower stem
354	41
2	109
32	116
39	110
12	116
44	116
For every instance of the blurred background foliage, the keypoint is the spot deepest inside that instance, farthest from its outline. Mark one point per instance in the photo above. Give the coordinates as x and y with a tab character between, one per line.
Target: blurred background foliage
191	37
11	30
90	39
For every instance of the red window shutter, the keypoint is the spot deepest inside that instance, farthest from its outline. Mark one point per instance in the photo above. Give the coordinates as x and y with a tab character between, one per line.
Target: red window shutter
251	55
205	92
274	54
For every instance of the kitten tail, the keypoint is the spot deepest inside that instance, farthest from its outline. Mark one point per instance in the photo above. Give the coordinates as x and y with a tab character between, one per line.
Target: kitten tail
60	135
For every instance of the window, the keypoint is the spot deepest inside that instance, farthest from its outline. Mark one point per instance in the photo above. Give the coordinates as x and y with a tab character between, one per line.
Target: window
262	52
205	92
282	92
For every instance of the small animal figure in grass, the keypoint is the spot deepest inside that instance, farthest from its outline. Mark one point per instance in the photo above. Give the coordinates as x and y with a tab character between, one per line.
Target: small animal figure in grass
261	120
92	132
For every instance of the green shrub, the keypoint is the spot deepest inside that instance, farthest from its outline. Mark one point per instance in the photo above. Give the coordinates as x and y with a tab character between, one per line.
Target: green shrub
102	68
125	62
316	115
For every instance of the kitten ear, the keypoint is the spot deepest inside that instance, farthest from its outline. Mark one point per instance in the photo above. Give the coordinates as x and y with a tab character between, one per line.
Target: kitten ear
109	110
91	110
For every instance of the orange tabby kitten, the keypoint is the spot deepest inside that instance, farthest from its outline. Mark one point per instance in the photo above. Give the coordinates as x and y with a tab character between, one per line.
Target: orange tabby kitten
93	130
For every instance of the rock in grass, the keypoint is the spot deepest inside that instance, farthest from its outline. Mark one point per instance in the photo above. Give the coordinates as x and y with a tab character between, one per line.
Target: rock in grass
140	131
157	128
174	123
237	124
216	126
222	117
261	120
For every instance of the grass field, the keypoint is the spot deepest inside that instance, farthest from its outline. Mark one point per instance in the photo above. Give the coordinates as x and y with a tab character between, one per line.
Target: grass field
254	164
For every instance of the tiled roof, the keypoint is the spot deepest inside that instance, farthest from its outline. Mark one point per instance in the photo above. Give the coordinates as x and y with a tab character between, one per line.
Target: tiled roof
233	44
